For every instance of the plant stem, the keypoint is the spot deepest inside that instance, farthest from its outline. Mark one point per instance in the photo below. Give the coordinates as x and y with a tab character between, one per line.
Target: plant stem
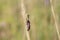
23	12
53	13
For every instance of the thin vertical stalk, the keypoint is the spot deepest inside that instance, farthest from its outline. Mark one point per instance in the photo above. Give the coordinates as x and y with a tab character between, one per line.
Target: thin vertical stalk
53	13
23	12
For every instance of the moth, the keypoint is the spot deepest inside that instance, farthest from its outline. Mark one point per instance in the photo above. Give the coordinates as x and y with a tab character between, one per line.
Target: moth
28	23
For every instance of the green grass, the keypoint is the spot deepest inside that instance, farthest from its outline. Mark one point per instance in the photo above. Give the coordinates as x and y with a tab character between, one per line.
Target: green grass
42	22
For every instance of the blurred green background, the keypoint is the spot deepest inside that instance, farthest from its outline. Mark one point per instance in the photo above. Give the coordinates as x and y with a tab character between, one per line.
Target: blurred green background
42	21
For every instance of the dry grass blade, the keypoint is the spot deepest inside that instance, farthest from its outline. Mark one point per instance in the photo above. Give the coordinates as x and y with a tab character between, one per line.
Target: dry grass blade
24	18
53	13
